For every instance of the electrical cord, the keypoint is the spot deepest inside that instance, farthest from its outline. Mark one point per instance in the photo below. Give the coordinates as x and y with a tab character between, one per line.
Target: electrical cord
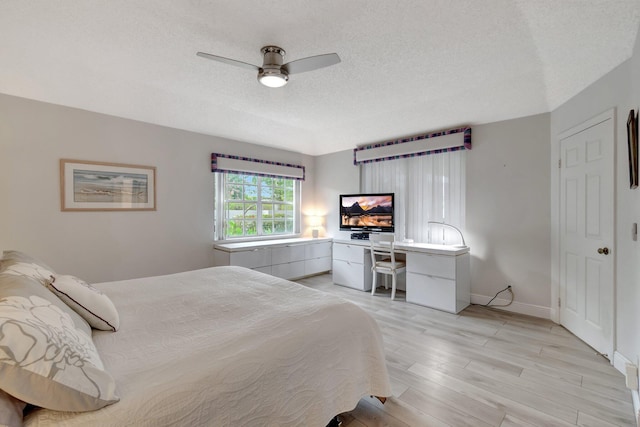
508	288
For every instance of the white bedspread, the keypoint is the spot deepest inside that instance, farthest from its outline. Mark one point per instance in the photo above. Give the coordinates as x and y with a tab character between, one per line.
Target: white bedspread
227	346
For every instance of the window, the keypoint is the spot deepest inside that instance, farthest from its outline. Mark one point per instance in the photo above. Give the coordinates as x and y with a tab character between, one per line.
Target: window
256	206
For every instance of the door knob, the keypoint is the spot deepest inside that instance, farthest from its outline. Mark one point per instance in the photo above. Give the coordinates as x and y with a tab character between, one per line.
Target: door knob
604	251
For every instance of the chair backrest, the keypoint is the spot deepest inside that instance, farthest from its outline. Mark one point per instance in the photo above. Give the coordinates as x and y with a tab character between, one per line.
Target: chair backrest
382	245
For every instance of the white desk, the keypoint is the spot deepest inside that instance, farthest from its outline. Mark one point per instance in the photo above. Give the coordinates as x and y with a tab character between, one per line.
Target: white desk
438	276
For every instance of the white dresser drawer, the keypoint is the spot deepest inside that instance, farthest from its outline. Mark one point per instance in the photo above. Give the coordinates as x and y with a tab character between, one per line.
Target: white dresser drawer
317	265
289	270
350	274
317	250
432	265
351	253
430	291
251	259
289	253
266	269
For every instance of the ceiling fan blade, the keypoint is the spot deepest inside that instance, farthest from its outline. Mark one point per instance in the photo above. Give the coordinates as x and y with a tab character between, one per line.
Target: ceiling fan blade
228	61
311	63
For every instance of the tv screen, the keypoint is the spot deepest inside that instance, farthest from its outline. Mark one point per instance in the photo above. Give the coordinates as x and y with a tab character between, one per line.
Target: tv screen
366	212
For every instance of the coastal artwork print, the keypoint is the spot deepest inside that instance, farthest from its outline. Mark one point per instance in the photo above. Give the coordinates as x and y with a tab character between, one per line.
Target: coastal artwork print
106	186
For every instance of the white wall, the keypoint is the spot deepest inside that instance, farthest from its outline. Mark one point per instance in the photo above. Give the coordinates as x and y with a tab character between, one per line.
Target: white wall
619	89
335	174
628	319
508	212
102	246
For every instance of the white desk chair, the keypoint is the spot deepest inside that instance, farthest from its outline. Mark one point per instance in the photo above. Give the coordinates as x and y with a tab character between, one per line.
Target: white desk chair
383	260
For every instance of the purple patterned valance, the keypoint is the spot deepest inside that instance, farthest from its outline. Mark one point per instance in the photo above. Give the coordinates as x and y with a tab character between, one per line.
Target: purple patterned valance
419	145
226	163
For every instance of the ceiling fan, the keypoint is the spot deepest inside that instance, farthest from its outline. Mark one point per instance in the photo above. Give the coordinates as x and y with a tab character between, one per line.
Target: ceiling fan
273	72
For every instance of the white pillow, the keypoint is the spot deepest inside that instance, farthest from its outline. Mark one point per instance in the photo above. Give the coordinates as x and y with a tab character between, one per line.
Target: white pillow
94	306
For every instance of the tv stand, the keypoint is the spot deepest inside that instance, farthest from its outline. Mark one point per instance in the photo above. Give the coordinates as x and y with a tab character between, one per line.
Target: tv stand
359	236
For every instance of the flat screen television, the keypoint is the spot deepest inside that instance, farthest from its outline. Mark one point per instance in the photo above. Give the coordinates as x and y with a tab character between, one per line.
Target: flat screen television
367	212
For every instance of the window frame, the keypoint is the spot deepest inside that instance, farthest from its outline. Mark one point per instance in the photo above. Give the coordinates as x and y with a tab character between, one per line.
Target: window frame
221	221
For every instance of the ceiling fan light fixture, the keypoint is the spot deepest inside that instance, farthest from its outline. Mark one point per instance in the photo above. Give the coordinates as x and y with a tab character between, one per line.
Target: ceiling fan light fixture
273	78
273	72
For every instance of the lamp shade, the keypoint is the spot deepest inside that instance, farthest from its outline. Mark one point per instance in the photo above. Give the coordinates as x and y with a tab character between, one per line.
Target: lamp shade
315	221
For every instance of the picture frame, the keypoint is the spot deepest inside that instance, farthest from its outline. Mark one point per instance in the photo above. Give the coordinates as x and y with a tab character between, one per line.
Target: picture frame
100	186
632	142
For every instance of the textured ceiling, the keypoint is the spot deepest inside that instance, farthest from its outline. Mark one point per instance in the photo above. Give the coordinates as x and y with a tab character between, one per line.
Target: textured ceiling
407	66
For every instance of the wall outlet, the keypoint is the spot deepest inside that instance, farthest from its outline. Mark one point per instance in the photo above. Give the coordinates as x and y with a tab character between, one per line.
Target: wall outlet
631	374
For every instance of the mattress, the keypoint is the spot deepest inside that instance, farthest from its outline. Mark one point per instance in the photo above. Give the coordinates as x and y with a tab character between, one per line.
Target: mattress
228	346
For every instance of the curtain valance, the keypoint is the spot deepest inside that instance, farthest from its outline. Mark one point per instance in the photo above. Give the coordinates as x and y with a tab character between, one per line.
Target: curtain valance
419	145
246	166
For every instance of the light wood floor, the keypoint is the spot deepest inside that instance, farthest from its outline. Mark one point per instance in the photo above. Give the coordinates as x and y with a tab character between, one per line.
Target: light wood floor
483	367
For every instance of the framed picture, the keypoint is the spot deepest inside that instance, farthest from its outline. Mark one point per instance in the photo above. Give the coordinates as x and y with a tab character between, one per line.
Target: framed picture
98	186
632	141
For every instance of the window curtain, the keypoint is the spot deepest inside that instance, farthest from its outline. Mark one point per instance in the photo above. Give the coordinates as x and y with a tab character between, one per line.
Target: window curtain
427	188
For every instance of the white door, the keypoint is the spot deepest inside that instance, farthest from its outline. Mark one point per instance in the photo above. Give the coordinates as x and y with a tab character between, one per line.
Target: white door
587	233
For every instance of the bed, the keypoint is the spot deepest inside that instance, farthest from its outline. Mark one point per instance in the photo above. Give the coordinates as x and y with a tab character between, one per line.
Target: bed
228	346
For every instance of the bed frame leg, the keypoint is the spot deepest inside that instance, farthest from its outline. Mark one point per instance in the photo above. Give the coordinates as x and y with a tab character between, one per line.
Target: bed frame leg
381	399
335	422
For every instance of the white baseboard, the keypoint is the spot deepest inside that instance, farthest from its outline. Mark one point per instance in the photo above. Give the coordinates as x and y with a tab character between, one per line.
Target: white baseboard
620	362
515	307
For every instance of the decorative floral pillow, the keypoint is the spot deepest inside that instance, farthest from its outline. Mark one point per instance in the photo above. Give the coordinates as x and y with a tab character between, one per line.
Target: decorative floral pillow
47	357
90	303
21	264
